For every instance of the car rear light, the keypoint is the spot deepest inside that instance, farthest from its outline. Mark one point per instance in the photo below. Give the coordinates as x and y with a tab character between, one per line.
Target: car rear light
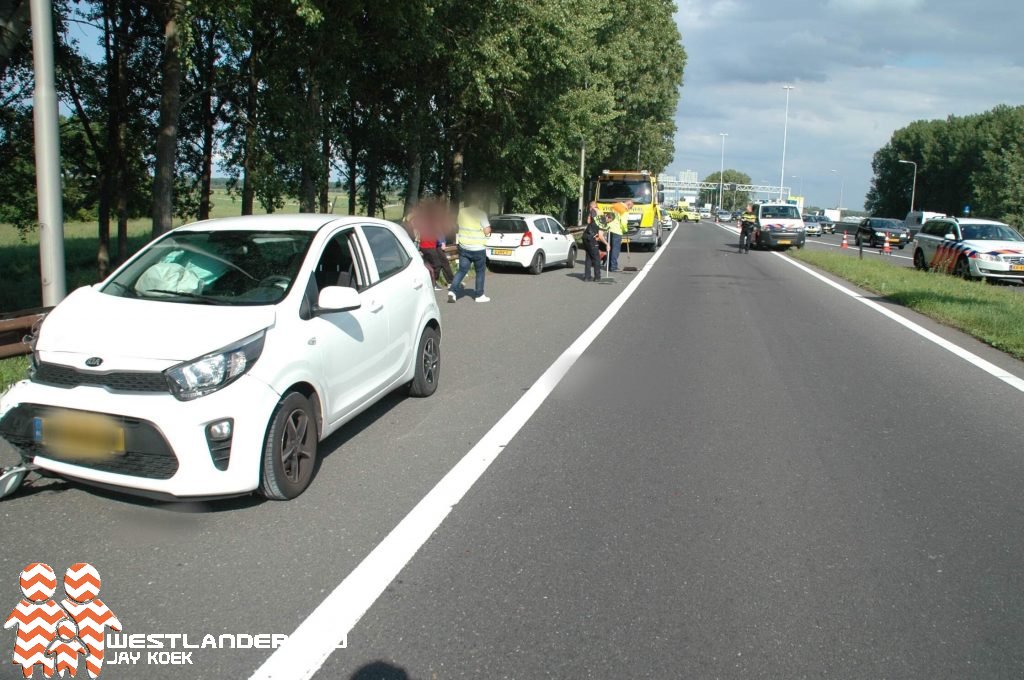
527	239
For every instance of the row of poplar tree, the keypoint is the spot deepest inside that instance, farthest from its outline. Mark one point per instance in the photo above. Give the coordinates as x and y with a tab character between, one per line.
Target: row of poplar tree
158	97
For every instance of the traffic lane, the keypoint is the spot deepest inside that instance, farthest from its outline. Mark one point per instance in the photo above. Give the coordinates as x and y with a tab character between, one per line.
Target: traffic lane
693	516
249	566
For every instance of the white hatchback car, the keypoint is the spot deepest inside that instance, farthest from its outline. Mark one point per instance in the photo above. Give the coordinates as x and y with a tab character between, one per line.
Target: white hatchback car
530	241
213	361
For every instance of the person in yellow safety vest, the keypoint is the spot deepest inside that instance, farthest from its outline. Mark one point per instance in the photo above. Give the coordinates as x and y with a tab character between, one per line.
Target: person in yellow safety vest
474	228
748	222
616	228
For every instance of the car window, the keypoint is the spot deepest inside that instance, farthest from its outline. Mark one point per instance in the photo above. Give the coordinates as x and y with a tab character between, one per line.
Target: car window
386	250
542	225
554	226
508	225
339	263
989	232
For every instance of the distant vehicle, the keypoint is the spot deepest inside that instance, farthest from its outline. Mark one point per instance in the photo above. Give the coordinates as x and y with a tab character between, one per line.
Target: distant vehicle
241	343
724	216
916	218
970	248
811	225
705	214
530	241
778	225
666	220
643	225
851	219
827	225
875	231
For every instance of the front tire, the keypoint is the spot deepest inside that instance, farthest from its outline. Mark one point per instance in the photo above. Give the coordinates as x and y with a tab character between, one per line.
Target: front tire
537	265
428	364
919	262
962	269
290	449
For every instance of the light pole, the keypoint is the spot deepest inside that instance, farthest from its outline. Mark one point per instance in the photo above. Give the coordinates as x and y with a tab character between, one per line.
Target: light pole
801	190
785	134
842	185
721	170
913	186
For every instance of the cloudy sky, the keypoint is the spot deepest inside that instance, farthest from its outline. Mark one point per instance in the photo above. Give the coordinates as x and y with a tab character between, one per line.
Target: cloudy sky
861	69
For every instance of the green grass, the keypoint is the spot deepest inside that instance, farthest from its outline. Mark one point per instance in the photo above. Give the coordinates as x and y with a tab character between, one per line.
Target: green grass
19	258
12	370
993	314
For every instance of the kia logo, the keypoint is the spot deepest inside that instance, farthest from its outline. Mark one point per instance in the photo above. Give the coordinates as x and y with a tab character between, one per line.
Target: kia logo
93	362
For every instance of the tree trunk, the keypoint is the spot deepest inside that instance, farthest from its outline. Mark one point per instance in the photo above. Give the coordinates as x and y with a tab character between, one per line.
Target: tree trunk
209	120
122	182
412	180
353	185
249	161
458	158
325	171
372	180
170	107
307	181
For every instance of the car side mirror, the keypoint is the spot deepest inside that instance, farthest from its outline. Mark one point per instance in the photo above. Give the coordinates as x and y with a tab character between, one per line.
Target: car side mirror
950	237
661	197
337	299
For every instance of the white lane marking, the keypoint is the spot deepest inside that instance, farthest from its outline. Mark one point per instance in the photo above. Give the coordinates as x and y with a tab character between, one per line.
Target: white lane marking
871	250
967	355
306	649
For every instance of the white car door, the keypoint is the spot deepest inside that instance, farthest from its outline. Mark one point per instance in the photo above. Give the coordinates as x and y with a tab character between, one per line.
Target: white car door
562	240
544	239
398	282
352	345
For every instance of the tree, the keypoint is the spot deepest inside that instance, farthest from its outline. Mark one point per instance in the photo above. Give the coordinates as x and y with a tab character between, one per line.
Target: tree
732	198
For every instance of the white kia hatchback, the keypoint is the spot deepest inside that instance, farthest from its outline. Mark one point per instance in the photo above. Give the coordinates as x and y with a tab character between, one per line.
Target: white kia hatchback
213	361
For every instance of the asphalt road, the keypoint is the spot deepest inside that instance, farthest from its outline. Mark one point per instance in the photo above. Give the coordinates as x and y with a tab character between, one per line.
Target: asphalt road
747	474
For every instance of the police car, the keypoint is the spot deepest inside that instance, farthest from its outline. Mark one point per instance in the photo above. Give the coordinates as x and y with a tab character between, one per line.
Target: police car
971	248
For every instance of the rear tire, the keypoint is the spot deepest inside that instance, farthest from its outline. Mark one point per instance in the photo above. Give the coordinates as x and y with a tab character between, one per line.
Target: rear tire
290	449
919	262
428	364
570	262
537	265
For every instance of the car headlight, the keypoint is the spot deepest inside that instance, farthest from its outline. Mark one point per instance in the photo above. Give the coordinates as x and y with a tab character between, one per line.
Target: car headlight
985	257
879	233
647	232
216	370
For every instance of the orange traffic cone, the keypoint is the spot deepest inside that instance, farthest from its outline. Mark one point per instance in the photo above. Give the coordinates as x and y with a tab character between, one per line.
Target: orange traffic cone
886	250
846	242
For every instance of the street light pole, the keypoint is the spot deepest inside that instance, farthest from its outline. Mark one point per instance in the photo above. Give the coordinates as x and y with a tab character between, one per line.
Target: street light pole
785	134
721	170
801	189
913	186
842	186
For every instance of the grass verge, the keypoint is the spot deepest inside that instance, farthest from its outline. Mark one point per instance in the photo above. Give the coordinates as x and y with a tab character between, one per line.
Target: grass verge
993	314
11	371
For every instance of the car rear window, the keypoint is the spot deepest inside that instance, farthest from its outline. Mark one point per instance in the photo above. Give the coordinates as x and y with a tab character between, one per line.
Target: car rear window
508	225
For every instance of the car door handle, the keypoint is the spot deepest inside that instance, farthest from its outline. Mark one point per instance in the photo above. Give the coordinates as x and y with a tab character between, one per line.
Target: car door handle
417	283
375	306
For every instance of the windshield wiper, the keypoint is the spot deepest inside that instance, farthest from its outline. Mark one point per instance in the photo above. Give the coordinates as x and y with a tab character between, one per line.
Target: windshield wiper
191	296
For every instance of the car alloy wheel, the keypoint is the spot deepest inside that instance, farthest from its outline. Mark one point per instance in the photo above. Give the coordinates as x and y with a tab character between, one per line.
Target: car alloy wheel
290	449
428	364
570	262
537	266
919	262
962	269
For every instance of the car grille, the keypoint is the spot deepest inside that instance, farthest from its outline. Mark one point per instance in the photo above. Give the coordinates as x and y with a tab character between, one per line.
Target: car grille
147	453
117	381
1013	259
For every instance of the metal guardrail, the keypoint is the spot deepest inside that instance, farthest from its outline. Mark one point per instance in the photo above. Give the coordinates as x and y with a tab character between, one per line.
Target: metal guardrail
14	326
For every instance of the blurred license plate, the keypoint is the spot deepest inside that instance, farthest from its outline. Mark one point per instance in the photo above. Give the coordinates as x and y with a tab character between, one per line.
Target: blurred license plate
501	251
79	436
894	239
784	242
1017	267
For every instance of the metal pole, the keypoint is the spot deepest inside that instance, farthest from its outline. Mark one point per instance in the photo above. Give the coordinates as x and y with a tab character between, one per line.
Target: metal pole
721	169
785	134
913	186
583	182
48	187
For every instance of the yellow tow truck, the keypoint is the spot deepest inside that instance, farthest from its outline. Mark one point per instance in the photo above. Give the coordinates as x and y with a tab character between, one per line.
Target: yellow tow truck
644	219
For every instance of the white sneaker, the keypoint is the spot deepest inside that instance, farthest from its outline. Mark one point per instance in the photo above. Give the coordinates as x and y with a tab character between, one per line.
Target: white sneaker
451	296
437	287
483	298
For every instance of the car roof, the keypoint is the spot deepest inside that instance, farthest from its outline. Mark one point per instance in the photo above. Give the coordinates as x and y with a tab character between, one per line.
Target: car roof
279	222
972	220
522	216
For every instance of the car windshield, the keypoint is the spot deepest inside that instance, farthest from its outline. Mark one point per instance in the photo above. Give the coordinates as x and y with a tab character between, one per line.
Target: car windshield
888	224
508	225
214	267
989	232
780	212
620	190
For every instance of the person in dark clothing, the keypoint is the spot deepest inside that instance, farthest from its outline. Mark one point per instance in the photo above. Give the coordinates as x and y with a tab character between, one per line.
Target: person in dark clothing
592	240
429	221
